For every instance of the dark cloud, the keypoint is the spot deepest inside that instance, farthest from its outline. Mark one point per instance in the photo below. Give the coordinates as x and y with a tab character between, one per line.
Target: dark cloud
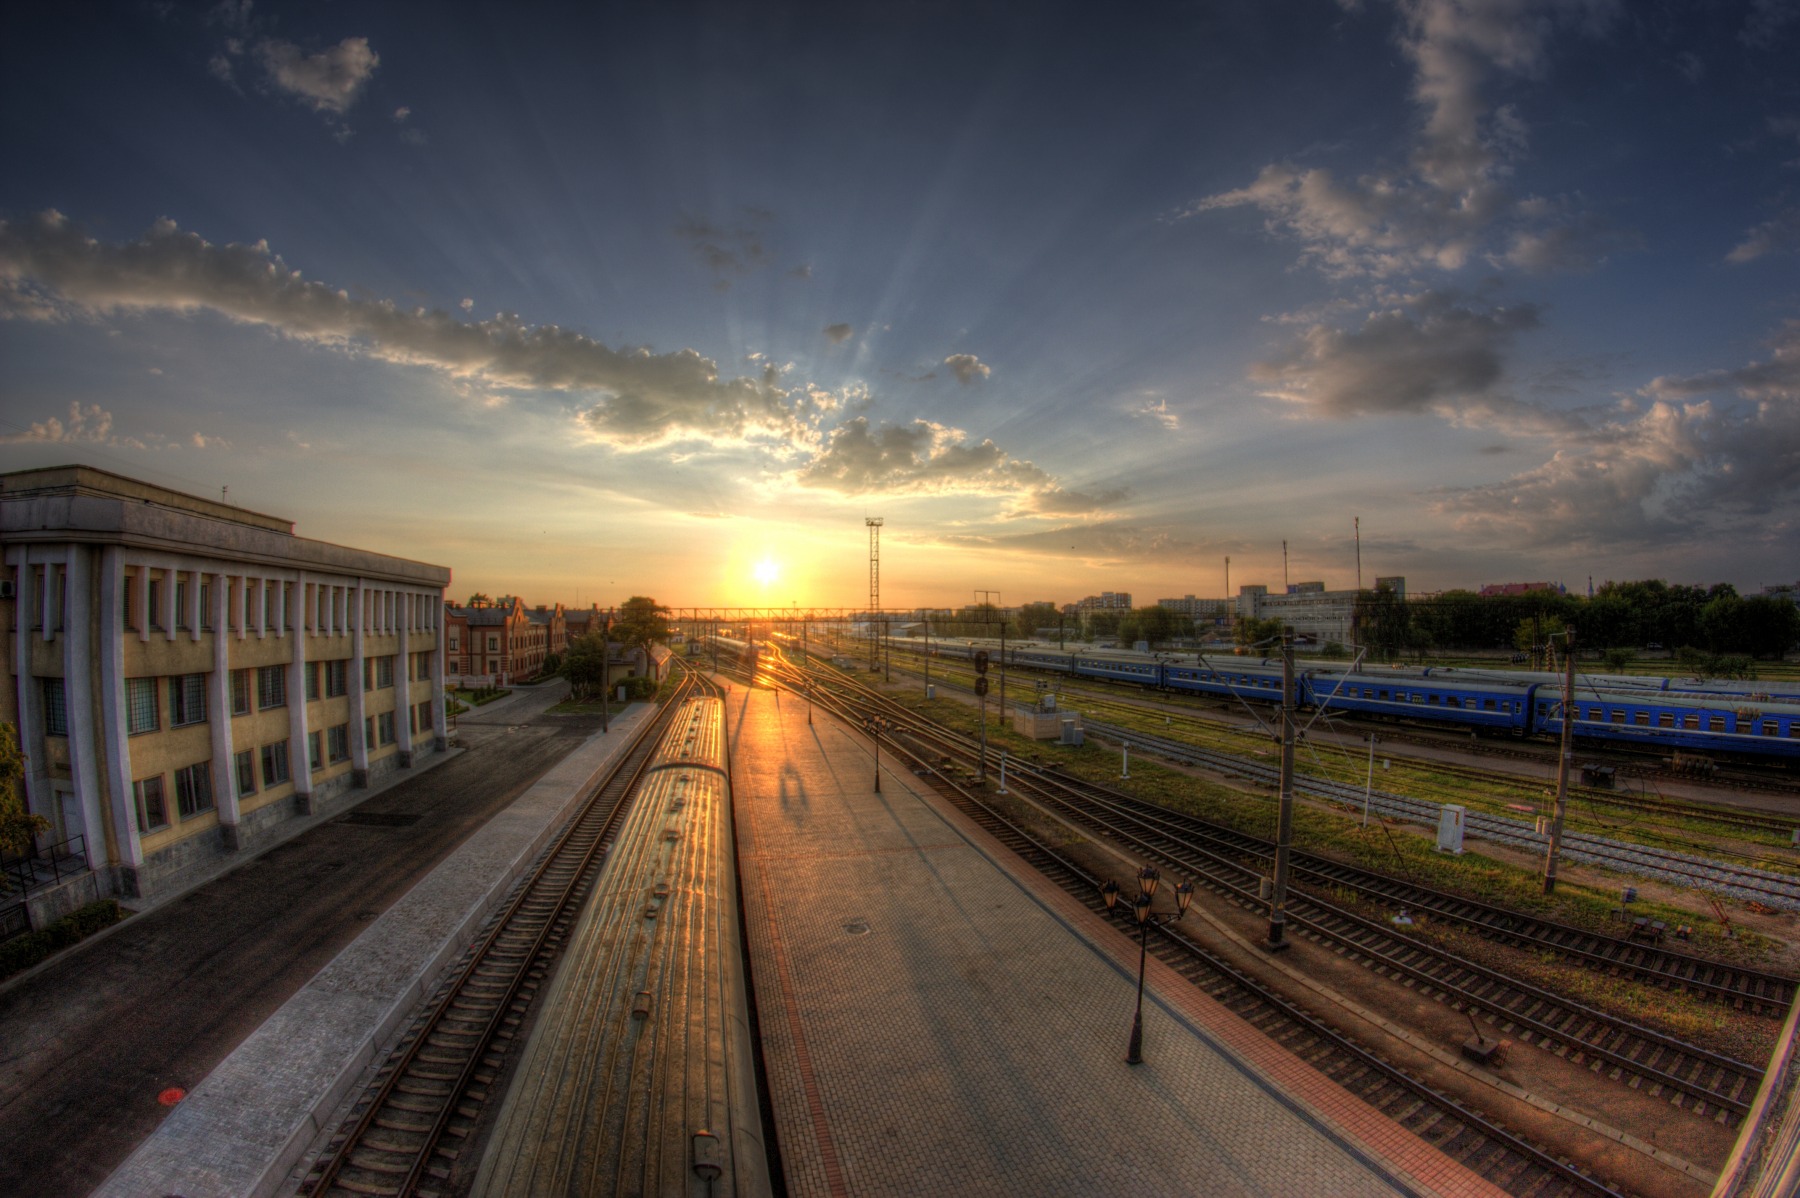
967	368
837	334
728	252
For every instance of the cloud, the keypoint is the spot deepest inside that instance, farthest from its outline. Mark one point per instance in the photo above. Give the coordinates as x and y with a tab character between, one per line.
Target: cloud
91	423
1438	210
402	113
645	398
328	81
837	334
1682	470
729	252
1763	27
467	304
1159	412
802	271
967	368
929	458
1778	235
1427	353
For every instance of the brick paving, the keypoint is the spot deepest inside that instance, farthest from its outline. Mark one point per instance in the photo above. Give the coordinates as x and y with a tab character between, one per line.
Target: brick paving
935	1023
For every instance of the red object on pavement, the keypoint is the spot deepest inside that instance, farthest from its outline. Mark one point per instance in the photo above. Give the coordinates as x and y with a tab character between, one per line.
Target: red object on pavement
171	1096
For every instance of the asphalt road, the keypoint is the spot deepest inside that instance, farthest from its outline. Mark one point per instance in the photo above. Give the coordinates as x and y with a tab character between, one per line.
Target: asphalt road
87	1044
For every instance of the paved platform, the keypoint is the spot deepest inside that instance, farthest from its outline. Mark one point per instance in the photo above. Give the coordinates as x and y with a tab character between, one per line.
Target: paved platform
936	1018
240	1131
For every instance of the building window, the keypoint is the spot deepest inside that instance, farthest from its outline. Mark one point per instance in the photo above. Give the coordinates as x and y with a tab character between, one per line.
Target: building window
275	763
424	716
193	789
127	612
140	705
312	750
312	681
240	692
384	672
337	677
384	727
455	643
271	687
245	763
156	587
493	644
187	700
338	742
205	607
152	809
56	708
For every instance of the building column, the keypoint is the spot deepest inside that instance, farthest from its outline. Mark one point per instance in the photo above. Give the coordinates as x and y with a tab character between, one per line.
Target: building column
78	690
141	601
299	760
169	583
129	848
55	585
440	719
281	608
38	794
357	604
403	670
196	580
224	768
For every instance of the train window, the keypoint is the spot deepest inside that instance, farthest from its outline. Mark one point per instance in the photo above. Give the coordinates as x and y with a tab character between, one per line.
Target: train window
1543	708
1641	718
1618	717
1384	694
1794	727
1418	698
1769	728
1716	724
1399	696
1487	704
1690	721
1665	719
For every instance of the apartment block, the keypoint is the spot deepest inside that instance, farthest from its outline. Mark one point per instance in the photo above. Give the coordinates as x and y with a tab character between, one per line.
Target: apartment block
188	676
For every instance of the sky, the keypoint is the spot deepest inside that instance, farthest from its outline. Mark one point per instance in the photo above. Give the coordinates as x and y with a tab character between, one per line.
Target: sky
600	300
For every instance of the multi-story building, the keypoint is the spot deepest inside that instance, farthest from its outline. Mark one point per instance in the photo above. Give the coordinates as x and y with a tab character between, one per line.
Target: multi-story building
578	623
489	645
1104	601
1310	609
188	676
549	633
1214	610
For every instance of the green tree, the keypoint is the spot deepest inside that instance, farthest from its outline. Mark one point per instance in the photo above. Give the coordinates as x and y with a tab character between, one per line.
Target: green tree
479	599
1383	622
1034	616
17	825
1252	631
640	622
585	665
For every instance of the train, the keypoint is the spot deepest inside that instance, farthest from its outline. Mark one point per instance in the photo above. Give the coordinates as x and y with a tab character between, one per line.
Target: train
1671	717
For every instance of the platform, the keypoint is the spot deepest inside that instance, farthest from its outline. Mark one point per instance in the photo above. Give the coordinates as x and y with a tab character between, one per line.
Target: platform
937	1018
241	1130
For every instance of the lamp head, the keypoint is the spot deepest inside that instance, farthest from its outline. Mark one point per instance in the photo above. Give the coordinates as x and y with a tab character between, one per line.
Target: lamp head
1184	895
1110	892
1147	880
1140	907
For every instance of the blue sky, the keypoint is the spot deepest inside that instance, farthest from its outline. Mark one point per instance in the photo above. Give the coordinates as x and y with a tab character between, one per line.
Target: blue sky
636	299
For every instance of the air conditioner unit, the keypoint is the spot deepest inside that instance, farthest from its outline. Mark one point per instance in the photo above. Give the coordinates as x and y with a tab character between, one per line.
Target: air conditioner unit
6	588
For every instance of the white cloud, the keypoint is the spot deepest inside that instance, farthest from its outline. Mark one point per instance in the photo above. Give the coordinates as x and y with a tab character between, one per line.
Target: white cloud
1439	210
328	81
967	368
1426	353
1683	470
1159	412
467	304
91	423
402	112
1778	235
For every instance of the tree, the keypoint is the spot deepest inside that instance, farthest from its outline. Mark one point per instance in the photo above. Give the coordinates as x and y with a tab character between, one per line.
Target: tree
1383	622
1034	616
641	621
1252	631
17	825
479	599
585	665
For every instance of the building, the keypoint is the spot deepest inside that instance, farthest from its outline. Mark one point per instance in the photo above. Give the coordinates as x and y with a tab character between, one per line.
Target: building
1104	601
1213	610
1310	609
578	623
188	676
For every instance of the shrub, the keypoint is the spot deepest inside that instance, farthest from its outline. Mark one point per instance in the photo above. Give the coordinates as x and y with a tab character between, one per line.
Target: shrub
22	952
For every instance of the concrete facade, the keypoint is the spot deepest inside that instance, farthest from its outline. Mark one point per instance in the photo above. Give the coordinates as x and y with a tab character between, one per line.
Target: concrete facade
188	675
1310	609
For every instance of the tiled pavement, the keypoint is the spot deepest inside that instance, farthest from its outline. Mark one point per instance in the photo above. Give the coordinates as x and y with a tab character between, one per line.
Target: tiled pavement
934	1024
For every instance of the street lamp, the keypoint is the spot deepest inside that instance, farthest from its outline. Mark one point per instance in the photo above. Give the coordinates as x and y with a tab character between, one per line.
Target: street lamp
1140	911
876	726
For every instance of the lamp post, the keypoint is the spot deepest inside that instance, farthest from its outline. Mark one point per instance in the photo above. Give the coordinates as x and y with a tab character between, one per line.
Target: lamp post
1140	911
876	726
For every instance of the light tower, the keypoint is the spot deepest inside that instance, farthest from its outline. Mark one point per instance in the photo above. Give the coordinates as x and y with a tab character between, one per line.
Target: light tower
874	525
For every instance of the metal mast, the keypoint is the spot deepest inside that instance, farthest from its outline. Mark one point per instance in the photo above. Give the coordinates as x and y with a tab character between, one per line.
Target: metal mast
1564	759
874	525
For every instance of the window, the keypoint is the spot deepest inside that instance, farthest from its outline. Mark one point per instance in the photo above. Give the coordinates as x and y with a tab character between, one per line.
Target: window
127	612
187	700
152	808
312	680
271	687
193	789
1641	718
368	732
140	705
1418	698
337	741
245	764
1487	705
384	672
56	708
337	677
275	763
384	727
1769	728
1665	719
1716	724
493	644
455	643
425	717
312	750
1618	717
240	692
205	607
1691	721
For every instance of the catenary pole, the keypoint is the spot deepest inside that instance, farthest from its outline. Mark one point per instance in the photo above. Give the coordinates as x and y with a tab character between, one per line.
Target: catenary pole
1563	761
1284	820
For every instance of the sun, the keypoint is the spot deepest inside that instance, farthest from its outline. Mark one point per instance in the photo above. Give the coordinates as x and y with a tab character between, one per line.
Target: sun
767	571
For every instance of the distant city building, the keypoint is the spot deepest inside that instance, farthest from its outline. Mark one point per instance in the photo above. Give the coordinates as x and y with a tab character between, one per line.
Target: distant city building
1310	609
1199	609
188	676
1104	601
500	644
1502	590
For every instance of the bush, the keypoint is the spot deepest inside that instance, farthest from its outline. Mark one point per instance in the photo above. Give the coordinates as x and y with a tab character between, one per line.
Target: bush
22	952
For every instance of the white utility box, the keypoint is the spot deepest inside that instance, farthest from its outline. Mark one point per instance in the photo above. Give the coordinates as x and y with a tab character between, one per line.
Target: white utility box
1450	829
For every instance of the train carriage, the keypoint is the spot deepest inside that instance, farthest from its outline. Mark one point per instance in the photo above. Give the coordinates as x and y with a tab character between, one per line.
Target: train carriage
1258	681
1468	704
1721	724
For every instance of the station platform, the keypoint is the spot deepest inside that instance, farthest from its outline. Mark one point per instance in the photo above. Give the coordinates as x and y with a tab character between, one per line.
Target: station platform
938	1018
241	1131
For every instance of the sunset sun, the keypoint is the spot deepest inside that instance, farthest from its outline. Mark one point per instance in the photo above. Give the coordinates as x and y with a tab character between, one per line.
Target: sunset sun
767	571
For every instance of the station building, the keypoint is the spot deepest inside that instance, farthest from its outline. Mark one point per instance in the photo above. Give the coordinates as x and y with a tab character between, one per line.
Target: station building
1310	609
189	676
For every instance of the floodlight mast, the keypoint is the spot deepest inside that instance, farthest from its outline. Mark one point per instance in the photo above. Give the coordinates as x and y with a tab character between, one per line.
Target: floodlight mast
874	524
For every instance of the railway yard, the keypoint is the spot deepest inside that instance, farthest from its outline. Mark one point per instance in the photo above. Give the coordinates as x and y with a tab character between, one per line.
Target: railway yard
592	1022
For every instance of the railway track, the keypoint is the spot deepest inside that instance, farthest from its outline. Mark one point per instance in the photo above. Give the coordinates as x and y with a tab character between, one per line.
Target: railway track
1691	1077
406	1133
1480	1144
